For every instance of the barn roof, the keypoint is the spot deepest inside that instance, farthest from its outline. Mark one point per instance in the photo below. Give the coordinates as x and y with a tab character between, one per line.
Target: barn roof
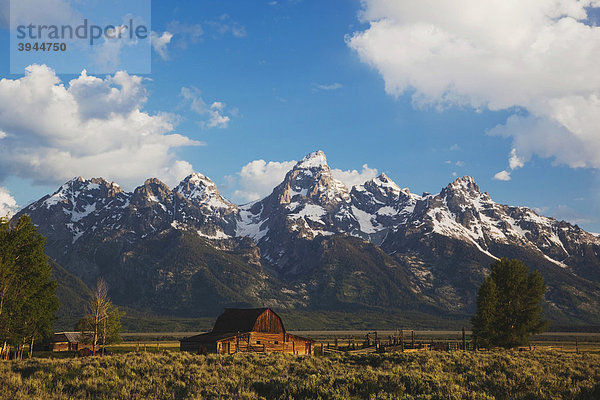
71	337
208	337
238	320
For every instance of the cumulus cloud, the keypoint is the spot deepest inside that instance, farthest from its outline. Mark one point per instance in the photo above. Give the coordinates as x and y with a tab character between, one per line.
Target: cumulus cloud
258	178
502	176
540	56
215	114
8	205
353	177
91	126
514	162
160	43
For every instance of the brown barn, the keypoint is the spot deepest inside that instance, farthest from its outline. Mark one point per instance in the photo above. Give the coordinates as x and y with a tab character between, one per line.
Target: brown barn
257	330
67	341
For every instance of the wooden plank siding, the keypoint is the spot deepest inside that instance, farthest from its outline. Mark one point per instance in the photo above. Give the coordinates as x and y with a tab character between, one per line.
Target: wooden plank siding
269	322
257	330
260	342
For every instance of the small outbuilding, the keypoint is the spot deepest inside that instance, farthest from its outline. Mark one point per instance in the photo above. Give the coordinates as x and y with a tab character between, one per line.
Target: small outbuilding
67	341
258	330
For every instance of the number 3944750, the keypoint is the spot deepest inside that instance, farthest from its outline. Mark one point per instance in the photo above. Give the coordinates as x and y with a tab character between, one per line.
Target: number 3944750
42	46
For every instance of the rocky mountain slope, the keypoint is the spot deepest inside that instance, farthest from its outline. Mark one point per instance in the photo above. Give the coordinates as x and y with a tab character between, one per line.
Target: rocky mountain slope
312	243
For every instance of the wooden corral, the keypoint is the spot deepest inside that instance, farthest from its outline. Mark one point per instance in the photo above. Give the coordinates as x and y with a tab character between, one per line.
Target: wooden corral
67	341
257	330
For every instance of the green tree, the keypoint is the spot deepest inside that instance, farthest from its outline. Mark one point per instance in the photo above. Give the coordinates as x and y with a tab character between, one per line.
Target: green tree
508	306
27	293
102	321
484	320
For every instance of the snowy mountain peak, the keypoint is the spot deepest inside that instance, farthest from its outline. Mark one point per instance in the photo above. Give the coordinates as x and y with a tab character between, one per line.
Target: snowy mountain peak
384	182
315	159
195	185
202	190
464	187
311	178
465	182
152	190
78	188
198	179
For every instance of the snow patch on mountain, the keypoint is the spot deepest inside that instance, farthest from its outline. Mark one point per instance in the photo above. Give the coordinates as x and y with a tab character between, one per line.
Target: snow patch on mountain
367	222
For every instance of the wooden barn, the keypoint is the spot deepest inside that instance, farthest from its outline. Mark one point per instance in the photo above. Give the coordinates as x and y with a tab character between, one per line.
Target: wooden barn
67	341
257	330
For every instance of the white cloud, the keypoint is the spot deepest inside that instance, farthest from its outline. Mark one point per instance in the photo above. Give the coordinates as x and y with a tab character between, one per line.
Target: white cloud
502	176
8	205
327	88
160	43
215	113
224	25
90	127
354	177
258	178
541	56
514	162
191	32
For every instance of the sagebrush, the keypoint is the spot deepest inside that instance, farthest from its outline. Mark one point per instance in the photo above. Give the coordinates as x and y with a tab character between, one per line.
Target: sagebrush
425	375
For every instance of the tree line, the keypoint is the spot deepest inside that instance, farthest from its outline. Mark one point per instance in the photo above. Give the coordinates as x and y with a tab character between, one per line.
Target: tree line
28	295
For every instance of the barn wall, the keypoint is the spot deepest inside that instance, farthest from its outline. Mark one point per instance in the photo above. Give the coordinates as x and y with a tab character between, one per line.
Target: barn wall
66	346
59	346
265	342
268	322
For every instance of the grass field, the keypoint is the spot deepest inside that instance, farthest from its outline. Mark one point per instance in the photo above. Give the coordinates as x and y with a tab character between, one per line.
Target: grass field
424	375
565	341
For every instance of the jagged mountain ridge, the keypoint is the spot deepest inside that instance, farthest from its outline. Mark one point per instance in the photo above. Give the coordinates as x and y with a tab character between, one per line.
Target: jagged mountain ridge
443	243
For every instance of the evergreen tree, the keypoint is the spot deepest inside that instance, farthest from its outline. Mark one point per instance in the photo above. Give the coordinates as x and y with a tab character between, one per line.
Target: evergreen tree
508	306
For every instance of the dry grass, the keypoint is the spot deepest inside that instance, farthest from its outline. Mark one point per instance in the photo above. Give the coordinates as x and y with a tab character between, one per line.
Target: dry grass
426	375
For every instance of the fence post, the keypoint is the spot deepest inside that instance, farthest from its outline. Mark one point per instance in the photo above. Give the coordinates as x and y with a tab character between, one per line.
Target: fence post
413	339
402	340
464	339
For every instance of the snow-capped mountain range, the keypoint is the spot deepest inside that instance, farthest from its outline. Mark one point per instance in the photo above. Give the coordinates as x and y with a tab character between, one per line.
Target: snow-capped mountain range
420	233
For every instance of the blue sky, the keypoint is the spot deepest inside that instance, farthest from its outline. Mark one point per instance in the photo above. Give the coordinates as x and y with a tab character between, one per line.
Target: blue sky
274	80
